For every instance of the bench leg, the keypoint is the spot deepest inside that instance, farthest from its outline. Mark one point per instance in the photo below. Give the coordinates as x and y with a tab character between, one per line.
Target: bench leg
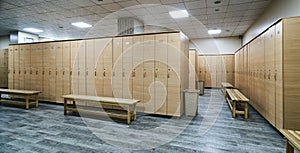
36	101
27	102
65	106
134	113
128	115
289	147
234	109
246	110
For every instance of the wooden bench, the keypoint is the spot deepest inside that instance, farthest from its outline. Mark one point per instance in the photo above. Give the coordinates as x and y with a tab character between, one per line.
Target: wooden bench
292	140
236	96
26	93
226	85
104	101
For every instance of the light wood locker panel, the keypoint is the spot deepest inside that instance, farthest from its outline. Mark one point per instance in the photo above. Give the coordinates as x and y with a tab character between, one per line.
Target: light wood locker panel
16	67
174	85
148	74
11	67
137	72
269	81
208	69
107	68
219	70
27	67
202	65
52	72
260	76
245	71
74	67
33	68
66	64
90	67
291	73
192	69
278	76
229	69
58	72
127	66
22	67
117	77
160	76
213	71
45	73
81	58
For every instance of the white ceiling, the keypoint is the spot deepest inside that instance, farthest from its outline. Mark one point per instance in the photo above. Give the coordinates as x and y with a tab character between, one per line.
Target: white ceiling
55	16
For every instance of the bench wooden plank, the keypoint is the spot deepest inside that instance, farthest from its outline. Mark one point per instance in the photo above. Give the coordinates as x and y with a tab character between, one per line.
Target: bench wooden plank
226	85
103	100
292	140
236	96
26	93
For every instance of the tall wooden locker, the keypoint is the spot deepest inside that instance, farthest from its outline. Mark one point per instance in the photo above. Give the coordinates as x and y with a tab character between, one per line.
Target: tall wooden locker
27	67
117	76
161	73
148	74
90	67
127	66
66	67
36	77
46	68
17	71
11	70
74	67
173	75
270	71
81	59
229	69
137	71
107	68
202	66
193	68
278	77
58	72
219	70
22	68
208	69
52	72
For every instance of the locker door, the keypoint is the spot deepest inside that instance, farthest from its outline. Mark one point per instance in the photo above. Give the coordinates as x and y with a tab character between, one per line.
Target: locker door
58	72
278	76
90	67
107	68
66	64
82	67
52	72
270	70
28	68
17	71
33	67
74	67
261	76
39	68
202	65
11	67
192	69
161	71
174	88
219	69
22	67
117	84
127	66
137	71
45	71
208	68
148	74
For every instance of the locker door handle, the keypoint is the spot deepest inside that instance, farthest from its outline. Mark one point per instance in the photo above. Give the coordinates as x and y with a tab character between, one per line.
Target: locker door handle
78	73
36	72
95	73
123	74
114	73
133	73
14	72
275	76
104	73
43	72
63	72
144	74
8	71
168	75
55	72
49	72
269	76
156	74
70	72
30	71
87	73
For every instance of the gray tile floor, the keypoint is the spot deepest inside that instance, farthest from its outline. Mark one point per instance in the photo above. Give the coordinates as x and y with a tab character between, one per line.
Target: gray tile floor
46	129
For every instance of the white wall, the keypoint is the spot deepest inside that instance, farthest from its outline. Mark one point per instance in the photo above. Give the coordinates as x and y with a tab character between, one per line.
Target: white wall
4	42
226	45
277	9
22	36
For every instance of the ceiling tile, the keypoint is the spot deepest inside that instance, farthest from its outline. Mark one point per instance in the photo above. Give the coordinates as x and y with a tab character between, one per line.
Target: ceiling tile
240	1
195	4
149	1
129	3
239	7
112	6
170	1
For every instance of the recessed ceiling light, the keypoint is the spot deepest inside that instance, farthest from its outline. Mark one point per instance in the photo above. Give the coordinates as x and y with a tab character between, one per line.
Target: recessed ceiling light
217	2
179	14
33	30
81	25
214	31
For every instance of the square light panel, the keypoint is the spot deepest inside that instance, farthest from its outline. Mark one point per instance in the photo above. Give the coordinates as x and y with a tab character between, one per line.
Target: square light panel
179	14
214	31
81	25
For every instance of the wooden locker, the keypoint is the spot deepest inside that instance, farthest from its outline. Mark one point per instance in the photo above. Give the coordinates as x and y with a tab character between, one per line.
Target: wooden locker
66	64
127	66
45	71
74	67
202	66
22	67
107	68
17	71
117	77
161	73
219	70
208	69
11	67
192	68
270	70
58	72
148	73
137	71
81	58
174	84
278	76
52	72
33	68
90	67
27	67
